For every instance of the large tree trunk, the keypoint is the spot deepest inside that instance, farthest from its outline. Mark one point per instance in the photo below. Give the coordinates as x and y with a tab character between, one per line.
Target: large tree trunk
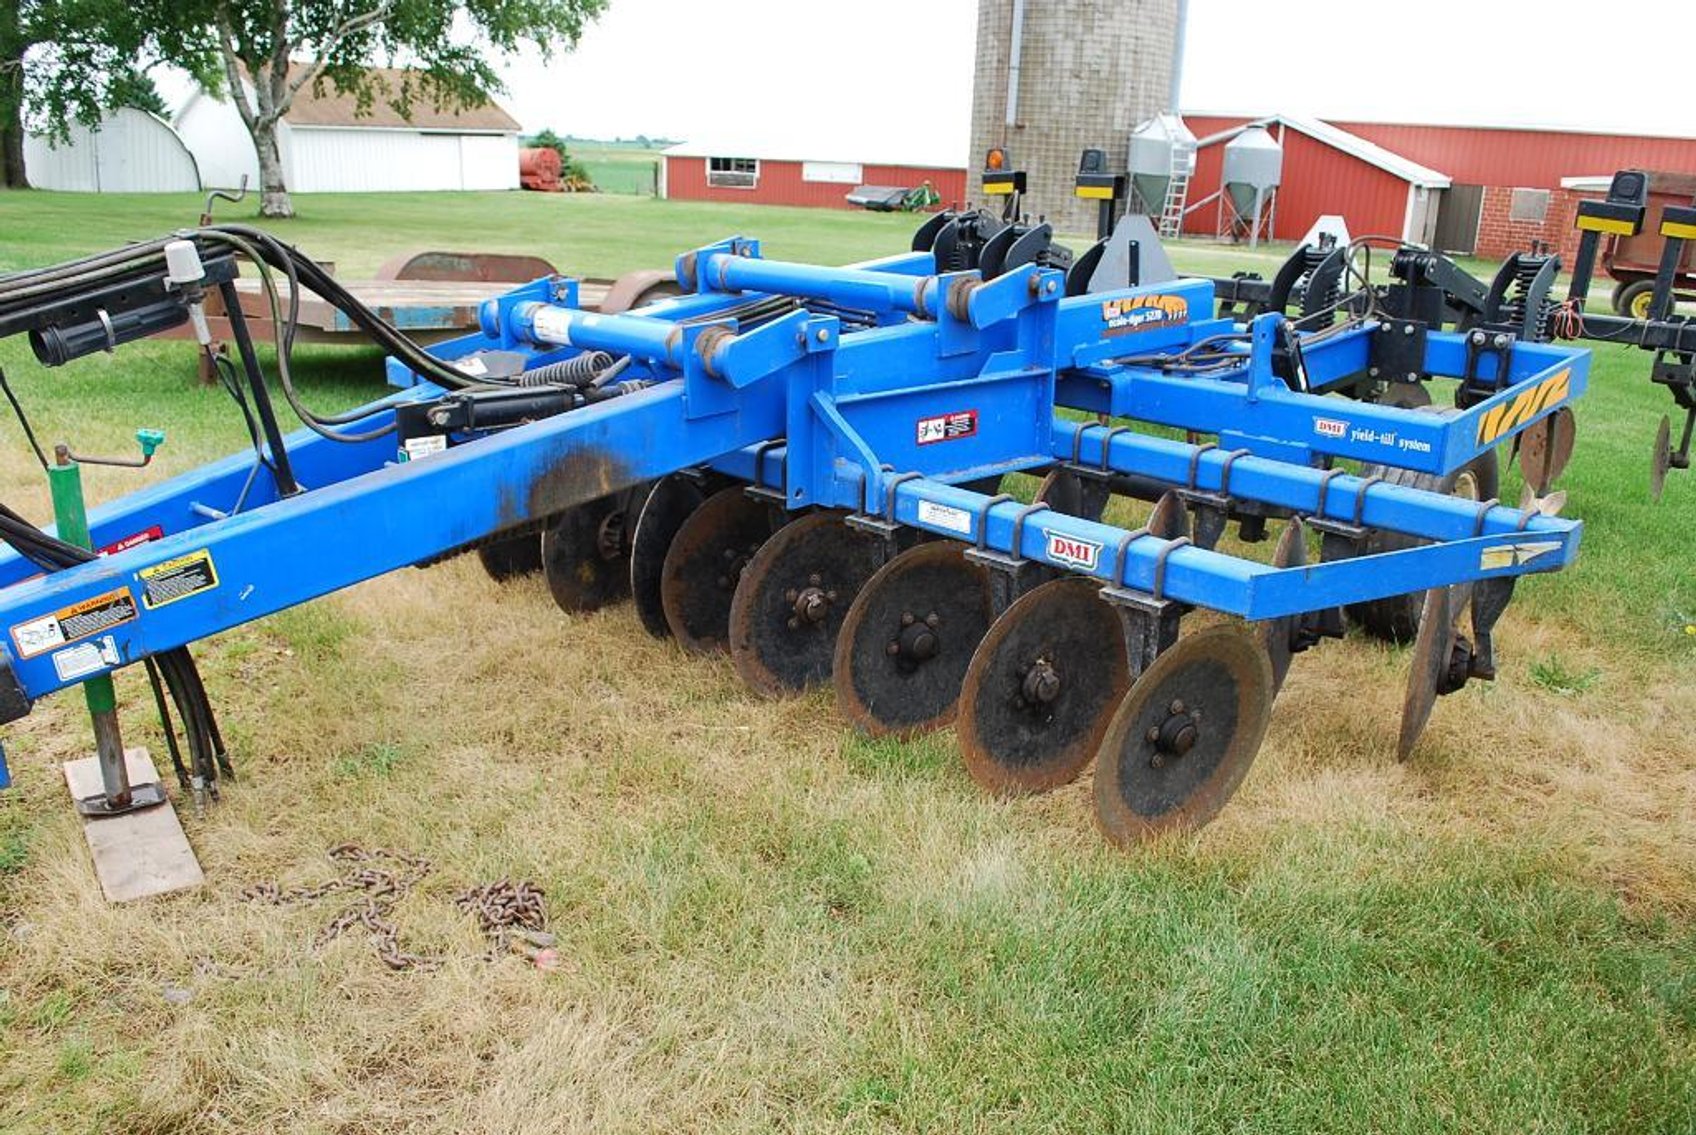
273	193
11	99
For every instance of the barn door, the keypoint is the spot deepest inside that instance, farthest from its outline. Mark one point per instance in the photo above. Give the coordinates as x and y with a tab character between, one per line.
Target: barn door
1457	219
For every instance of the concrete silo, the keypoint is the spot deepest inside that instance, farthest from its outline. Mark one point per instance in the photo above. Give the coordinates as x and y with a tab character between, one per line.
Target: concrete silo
1057	76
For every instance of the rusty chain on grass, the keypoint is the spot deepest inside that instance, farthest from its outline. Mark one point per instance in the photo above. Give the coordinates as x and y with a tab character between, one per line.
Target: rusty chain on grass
507	913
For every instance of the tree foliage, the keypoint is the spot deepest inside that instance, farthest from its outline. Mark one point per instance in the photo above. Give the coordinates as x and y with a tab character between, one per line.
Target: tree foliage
263	53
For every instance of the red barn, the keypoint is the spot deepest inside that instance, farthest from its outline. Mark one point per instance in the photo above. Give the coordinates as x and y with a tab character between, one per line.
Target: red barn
1465	189
818	172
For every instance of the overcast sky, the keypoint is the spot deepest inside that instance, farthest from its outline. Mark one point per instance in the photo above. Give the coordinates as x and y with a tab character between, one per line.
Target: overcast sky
904	67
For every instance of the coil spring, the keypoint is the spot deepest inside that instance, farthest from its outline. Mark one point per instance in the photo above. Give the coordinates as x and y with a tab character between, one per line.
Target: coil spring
578	371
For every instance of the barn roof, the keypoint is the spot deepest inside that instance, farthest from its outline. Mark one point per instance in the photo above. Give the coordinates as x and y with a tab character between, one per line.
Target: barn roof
831	142
1337	138
326	107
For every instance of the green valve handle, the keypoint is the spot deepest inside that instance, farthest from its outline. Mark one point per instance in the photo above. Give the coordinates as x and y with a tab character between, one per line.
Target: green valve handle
149	440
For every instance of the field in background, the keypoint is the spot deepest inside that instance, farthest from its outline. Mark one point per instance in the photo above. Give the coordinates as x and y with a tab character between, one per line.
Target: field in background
768	923
623	168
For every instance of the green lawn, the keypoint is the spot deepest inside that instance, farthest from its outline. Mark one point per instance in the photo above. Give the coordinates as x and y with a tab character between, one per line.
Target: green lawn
770	924
628	170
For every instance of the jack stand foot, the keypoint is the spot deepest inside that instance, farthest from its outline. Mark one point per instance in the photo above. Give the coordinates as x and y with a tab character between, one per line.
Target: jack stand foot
136	853
100	806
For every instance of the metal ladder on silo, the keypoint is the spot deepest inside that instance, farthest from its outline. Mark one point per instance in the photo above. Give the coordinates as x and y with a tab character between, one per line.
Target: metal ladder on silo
1177	192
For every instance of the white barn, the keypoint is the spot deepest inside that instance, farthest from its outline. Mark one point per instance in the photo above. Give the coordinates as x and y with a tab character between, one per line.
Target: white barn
129	151
329	148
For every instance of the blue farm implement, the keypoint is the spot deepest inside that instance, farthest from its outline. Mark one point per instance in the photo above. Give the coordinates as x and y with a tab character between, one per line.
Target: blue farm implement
800	465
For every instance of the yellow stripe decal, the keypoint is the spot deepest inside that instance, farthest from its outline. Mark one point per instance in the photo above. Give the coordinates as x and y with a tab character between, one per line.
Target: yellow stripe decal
1098	192
1607	225
1521	409
1682	231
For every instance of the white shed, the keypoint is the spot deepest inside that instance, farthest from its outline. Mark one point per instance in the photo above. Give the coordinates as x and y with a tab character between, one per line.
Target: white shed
327	147
129	151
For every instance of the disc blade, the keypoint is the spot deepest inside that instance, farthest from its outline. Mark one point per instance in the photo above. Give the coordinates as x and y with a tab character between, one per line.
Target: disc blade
896	670
512	557
1276	635
1432	651
1169	520
793	595
1662	458
1065	491
1406	396
583	555
1042	687
667	507
1184	737
698	578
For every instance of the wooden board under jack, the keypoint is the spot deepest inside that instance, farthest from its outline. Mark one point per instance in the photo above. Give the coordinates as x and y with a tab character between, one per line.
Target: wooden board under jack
141	853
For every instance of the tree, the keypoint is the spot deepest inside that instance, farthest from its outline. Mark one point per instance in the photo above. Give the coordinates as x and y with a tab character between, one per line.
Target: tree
263	53
270	50
64	61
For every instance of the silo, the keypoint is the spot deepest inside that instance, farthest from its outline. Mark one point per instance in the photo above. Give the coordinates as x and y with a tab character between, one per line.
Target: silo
1252	168
1159	148
1083	74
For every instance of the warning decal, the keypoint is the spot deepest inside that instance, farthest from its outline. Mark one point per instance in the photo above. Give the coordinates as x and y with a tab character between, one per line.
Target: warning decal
133	540
948	427
80	620
177	579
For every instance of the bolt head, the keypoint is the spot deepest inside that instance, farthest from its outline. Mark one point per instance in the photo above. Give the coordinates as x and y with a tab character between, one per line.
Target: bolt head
892	649
1176	707
1408	329
907	619
822	335
1153	734
1374	372
933	620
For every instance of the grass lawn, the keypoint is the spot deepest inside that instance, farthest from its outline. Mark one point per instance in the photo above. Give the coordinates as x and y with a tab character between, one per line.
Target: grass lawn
768	923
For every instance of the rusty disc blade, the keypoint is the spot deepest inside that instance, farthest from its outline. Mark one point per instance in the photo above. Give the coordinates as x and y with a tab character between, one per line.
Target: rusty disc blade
1042	687
1432	651
705	561
513	557
903	650
1184	737
794	593
1545	448
1662	460
1066	491
1169	520
667	507
1276	634
1406	396
584	551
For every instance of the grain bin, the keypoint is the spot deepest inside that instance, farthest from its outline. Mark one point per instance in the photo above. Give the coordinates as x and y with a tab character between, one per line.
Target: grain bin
1057	78
1253	167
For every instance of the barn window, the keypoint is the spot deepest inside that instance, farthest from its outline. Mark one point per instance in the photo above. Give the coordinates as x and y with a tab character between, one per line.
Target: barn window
838	173
733	173
1529	205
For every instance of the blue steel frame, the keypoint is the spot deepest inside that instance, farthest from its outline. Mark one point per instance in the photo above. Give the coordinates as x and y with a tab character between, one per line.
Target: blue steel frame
960	379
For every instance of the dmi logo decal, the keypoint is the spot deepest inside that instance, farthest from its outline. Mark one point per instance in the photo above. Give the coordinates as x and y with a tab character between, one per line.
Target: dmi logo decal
1330	427
1135	314
948	427
1073	553
1518	411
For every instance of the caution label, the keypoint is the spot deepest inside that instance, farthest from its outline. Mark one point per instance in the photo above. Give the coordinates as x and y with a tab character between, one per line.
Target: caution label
948	427
181	578
78	621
